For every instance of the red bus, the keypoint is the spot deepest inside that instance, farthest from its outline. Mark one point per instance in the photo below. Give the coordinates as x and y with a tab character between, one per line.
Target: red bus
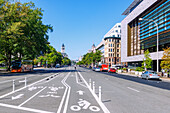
22	66
103	67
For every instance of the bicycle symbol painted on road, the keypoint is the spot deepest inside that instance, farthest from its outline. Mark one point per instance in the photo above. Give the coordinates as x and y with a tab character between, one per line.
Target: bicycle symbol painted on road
83	104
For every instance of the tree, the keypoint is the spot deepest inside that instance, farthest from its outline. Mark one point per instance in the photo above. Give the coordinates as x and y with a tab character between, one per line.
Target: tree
147	61
165	63
23	35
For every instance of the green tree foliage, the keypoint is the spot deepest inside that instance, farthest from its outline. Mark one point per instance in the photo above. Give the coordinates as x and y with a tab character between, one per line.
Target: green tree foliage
23	35
90	58
147	61
66	61
165	63
52	57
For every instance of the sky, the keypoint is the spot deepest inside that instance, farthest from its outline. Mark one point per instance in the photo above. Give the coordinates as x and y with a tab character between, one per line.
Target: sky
79	23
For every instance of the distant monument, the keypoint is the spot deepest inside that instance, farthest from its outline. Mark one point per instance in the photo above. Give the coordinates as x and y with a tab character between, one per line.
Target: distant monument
63	51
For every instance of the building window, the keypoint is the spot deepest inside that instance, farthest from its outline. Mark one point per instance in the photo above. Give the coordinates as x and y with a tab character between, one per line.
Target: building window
117	60
111	45
116	31
117	45
109	40
119	26
111	55
117	55
109	60
117	50
112	59
111	50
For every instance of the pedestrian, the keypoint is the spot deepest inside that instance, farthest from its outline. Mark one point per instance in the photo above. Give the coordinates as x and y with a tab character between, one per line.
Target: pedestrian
75	67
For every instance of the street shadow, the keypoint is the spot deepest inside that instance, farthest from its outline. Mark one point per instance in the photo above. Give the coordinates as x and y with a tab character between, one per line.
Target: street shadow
39	71
155	83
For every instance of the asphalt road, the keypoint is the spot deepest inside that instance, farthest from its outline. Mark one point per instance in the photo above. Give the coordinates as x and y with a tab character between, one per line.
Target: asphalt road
65	90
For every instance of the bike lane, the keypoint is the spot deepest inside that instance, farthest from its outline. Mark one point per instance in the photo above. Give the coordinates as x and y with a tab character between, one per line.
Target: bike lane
80	98
44	96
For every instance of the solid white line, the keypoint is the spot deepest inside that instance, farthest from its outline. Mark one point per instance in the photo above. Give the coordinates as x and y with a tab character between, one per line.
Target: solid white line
79	82
23	87
24	108
68	96
105	110
133	89
62	101
32	97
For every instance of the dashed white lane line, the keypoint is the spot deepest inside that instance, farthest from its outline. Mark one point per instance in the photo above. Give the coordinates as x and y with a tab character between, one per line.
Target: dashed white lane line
24	108
133	89
32	97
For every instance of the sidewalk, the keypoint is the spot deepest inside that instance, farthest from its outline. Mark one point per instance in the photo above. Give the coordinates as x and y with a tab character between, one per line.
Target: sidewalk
129	74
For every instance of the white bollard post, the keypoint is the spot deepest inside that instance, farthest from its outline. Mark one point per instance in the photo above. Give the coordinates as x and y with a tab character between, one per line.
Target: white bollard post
94	86
25	81
90	83
100	93
13	85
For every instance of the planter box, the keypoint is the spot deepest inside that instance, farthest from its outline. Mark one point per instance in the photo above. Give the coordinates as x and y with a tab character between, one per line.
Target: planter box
140	73
136	72
132	71
119	71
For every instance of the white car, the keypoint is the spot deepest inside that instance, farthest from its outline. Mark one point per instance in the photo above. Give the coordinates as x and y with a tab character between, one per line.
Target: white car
150	75
97	69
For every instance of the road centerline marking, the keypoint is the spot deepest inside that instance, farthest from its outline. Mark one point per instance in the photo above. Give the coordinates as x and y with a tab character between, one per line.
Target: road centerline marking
65	92
133	89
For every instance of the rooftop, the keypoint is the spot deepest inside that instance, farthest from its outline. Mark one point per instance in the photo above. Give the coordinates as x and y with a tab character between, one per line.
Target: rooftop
132	7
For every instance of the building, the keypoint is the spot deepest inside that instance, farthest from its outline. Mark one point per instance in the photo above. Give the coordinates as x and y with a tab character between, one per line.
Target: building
63	51
93	49
112	45
100	47
138	36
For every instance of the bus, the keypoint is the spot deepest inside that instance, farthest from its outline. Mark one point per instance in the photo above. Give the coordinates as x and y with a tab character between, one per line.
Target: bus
103	67
22	66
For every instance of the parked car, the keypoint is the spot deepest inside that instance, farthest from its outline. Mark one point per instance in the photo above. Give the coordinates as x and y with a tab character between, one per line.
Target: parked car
112	70
93	68
97	69
57	66
150	75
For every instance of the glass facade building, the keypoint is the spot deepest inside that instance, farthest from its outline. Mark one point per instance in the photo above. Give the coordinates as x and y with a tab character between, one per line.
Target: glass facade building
142	35
148	30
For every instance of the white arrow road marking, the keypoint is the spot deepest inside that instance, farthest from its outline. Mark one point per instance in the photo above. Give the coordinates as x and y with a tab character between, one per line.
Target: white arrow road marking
32	88
52	92
80	92
17	97
55	96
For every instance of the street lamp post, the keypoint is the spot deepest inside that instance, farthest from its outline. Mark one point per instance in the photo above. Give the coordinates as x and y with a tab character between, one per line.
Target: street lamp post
157	40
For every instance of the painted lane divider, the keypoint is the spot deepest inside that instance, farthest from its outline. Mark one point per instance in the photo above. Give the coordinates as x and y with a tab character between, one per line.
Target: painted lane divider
24	108
133	89
104	108
63	98
21	88
94	86
32	97
100	93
